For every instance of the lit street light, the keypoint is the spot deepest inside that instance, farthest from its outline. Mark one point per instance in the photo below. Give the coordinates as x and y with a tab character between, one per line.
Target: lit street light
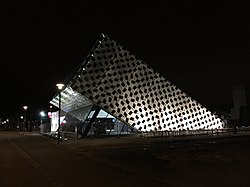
60	87
19	127
25	116
42	117
42	113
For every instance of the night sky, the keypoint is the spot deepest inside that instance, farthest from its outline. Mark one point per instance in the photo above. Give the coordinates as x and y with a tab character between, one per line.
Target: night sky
203	48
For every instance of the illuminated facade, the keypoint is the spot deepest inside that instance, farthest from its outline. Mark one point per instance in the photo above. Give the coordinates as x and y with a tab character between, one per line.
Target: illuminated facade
125	87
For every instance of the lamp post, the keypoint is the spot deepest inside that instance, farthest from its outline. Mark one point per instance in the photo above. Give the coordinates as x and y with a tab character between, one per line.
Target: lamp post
25	116
42	114
60	87
20	123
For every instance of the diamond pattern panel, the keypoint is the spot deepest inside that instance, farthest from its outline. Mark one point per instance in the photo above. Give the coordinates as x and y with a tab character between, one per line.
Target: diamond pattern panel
129	89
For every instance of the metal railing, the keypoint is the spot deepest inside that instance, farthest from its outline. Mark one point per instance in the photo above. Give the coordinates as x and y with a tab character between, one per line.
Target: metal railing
240	131
64	135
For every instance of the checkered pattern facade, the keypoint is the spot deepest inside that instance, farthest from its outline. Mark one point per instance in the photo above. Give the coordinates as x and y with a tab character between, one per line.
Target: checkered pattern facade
114	79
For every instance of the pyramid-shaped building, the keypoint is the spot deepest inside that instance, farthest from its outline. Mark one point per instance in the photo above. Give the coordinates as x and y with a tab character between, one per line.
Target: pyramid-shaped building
115	81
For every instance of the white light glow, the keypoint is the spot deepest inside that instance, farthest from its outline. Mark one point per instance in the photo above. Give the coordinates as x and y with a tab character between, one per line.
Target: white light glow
60	86
42	113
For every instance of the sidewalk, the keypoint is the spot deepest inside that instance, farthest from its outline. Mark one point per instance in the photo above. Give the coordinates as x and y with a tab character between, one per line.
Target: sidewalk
137	140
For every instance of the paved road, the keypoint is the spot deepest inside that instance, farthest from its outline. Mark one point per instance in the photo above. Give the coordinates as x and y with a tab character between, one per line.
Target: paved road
184	161
34	160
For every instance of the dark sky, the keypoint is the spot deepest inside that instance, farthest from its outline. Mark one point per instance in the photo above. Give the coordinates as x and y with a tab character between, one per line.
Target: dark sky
203	48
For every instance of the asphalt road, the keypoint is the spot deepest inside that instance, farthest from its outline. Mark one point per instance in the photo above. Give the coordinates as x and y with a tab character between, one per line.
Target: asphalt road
207	161
34	160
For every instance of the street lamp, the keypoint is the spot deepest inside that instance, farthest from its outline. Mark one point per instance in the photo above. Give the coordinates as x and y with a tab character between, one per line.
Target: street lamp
20	123
25	116
42	113
60	87
42	117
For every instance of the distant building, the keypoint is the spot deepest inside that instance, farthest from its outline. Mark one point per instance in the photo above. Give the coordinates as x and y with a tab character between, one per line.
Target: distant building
113	92
240	111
